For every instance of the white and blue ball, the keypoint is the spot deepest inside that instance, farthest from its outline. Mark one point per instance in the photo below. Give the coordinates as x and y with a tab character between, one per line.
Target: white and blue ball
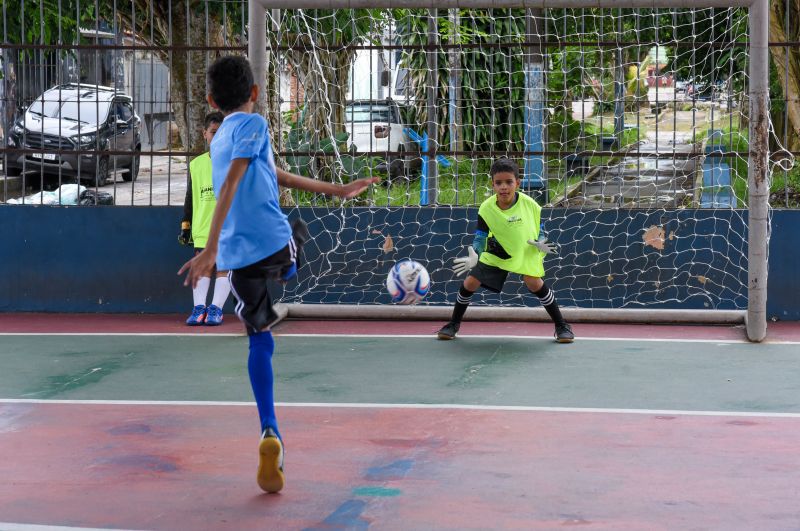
408	282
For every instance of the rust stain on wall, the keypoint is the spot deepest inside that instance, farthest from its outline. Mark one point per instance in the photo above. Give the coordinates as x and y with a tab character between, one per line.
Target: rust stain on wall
388	244
654	237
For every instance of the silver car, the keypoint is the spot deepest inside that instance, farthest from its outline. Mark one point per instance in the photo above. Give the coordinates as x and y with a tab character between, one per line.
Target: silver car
83	131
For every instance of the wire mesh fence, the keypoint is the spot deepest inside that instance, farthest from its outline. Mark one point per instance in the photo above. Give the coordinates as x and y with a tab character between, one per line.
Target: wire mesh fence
603	108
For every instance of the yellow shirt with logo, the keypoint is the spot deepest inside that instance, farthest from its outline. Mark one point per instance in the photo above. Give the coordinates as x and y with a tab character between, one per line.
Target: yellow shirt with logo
203	199
511	229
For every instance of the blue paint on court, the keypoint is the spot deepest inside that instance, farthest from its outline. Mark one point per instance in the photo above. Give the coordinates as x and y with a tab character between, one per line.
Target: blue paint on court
396	470
346	516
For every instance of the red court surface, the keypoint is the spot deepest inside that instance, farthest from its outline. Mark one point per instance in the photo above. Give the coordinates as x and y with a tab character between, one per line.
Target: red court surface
717	449
33	323
179	467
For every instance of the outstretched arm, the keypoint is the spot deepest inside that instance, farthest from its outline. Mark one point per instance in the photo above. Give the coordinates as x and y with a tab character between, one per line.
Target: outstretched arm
351	189
202	264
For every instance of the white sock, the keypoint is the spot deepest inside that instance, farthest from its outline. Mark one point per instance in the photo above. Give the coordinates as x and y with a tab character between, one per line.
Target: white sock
201	291
221	290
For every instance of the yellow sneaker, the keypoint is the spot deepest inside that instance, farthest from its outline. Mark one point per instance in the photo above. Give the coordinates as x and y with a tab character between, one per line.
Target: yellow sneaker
270	462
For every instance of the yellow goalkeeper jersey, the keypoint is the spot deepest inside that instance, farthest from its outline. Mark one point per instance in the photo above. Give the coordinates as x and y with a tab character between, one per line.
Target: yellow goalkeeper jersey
203	199
507	244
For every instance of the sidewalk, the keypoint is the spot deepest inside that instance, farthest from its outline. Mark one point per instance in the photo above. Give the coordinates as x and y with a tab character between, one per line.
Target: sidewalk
161	182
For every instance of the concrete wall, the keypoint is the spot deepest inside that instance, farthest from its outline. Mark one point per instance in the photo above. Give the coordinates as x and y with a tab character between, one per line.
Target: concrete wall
125	259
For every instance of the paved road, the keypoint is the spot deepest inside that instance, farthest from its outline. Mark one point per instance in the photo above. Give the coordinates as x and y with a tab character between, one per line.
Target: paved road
161	182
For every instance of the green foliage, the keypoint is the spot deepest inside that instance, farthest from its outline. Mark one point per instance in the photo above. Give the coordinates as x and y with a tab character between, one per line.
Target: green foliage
785	188
494	81
46	21
336	27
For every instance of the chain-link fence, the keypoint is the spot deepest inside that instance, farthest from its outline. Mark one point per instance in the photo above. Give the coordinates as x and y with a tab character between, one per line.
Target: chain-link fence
603	108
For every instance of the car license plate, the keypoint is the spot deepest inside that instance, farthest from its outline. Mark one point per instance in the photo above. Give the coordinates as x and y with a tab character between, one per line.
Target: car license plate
45	156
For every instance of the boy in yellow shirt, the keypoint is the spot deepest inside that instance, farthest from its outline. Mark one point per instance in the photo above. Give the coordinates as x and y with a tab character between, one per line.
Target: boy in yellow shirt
507	240
198	208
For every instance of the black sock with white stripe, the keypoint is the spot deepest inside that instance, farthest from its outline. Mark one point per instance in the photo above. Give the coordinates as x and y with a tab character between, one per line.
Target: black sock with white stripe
462	302
548	300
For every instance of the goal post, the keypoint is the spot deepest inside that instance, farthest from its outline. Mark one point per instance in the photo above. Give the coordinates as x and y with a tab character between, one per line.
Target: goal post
753	274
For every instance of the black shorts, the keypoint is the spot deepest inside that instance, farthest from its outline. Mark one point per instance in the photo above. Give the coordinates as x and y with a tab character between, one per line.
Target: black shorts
250	284
250	287
491	277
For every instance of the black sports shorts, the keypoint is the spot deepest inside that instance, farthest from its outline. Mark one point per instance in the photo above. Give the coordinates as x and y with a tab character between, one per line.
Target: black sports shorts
249	284
491	277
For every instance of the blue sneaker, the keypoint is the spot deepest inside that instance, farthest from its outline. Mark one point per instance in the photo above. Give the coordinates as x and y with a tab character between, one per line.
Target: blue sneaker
198	316
214	316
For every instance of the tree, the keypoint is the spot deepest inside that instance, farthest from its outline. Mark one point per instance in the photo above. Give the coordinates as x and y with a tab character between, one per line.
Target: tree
175	28
320	48
163	24
786	61
494	81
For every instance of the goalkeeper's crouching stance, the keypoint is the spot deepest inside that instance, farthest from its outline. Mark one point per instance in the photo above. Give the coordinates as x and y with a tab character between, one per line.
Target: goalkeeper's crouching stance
507	240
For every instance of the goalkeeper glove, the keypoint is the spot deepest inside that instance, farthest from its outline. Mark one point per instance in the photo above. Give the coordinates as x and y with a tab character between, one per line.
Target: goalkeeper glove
544	246
466	263
185	237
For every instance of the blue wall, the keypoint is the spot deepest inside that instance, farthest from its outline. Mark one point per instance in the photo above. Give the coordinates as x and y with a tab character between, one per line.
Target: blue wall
125	259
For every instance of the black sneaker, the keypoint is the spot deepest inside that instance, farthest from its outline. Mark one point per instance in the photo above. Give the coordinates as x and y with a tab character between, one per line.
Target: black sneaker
449	330
564	333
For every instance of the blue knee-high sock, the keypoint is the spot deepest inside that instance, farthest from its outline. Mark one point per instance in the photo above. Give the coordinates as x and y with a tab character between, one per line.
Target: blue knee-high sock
259	365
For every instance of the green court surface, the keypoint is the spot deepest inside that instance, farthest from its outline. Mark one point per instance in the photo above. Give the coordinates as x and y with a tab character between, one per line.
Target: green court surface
159	432
591	373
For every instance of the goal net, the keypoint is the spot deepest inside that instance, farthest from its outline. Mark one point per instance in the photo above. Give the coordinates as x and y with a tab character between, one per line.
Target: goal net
630	127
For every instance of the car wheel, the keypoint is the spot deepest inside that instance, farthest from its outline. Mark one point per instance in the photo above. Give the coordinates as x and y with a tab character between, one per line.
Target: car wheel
12	171
101	175
131	171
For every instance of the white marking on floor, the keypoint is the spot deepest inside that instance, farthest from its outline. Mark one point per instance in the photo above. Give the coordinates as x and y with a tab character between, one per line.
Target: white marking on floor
9	526
719	341
542	409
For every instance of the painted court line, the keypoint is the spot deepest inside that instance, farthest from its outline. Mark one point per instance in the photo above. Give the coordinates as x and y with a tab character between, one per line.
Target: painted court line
404	336
8	526
178	334
546	409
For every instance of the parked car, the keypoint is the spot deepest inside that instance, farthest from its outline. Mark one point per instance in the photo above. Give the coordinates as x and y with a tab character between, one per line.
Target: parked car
78	118
376	126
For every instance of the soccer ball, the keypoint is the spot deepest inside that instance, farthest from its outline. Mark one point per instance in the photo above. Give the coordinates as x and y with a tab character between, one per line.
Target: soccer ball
408	282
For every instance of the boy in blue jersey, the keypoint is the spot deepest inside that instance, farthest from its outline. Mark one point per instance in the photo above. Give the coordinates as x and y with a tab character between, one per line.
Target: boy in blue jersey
508	239
251	237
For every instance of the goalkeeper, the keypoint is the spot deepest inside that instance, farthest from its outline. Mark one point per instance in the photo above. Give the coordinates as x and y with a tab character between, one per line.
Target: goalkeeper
198	207
507	240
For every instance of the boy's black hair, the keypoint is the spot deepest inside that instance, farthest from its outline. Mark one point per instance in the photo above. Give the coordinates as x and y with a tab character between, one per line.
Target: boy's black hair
230	80
215	117
504	165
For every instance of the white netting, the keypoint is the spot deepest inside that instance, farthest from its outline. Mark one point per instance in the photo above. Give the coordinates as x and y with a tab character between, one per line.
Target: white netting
631	125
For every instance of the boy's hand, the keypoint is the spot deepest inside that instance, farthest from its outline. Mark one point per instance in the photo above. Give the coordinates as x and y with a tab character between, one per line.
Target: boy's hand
200	266
466	263
544	246
355	188
185	237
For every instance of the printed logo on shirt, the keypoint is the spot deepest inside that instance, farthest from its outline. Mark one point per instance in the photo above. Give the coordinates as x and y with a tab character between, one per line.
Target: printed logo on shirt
207	193
514	220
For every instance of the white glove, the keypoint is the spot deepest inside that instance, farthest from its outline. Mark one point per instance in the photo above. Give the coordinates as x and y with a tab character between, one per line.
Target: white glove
466	263
544	246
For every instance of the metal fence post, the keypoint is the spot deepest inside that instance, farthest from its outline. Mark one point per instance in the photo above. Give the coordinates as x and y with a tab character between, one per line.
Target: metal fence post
758	184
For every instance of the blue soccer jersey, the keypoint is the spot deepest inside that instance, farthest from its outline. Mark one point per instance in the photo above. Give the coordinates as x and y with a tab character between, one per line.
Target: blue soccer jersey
255	227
